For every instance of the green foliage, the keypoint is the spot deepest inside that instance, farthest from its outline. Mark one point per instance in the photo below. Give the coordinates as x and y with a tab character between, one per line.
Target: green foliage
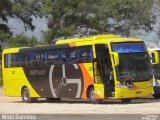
42	43
25	9
111	16
4	37
4	13
65	16
22	41
22	9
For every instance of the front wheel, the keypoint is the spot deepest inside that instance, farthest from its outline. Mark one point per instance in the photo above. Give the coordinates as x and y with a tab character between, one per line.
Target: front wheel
26	96
126	100
92	98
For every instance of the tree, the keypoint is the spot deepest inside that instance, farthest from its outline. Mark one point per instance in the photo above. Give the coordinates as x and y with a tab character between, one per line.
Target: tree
156	29
22	41
103	16
21	9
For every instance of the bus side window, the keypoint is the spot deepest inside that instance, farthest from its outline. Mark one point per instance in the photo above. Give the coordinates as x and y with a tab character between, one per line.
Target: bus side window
101	50
64	56
72	55
85	54
38	58
7	59
15	60
12	60
25	59
53	57
68	56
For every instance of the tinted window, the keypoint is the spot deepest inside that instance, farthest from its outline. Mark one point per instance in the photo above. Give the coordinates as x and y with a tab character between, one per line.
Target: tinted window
12	60
38	58
53	57
85	54
8	60
68	56
101	50
25	59
128	47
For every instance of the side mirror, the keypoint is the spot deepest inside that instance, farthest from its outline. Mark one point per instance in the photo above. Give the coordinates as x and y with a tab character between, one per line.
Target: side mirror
115	58
154	57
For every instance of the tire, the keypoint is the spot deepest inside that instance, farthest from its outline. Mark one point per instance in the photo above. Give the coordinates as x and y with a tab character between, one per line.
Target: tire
26	96
92	98
156	96
53	99
126	100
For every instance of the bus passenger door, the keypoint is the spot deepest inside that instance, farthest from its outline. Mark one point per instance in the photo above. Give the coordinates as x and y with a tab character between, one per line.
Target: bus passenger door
98	83
103	70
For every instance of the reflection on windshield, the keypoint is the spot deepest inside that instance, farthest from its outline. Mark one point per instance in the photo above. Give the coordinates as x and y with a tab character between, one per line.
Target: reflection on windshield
134	66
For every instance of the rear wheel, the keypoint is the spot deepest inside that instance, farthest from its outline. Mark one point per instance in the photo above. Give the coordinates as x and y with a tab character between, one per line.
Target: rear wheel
126	100
156	96
26	96
92	98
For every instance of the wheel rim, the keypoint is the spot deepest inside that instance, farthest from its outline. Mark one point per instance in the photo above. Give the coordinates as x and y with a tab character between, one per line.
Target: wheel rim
92	96
26	95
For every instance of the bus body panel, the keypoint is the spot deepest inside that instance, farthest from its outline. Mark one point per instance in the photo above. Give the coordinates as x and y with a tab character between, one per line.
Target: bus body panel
87	71
53	84
13	85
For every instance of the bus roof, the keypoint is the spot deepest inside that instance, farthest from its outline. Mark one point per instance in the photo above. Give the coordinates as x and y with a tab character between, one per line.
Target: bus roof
36	48
97	38
13	50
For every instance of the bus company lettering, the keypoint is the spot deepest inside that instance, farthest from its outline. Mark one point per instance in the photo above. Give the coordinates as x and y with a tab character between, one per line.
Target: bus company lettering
37	72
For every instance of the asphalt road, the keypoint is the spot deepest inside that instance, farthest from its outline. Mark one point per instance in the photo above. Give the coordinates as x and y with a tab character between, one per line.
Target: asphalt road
90	117
84	117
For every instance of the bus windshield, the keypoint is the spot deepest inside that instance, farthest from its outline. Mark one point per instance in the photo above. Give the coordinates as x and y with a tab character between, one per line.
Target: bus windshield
134	62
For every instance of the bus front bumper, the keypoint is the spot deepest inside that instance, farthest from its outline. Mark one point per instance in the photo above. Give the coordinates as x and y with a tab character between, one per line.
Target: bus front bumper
133	93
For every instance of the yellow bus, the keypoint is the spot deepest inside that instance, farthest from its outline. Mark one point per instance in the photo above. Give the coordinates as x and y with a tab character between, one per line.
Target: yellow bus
155	54
97	67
